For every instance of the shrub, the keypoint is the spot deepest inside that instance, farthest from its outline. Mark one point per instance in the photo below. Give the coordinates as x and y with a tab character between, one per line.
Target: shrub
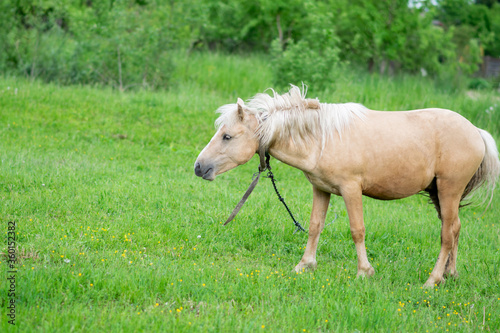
313	59
479	84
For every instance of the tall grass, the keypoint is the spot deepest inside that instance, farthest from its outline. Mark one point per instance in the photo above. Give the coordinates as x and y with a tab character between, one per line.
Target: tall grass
115	233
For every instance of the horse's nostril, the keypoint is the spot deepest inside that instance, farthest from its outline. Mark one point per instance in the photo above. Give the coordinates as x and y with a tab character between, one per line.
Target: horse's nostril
197	169
206	171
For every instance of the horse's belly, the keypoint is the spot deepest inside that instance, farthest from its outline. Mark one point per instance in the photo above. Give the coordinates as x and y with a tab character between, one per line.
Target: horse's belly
390	186
399	178
387	174
396	188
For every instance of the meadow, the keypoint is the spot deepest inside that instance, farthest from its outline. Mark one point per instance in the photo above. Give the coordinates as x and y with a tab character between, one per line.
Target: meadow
115	233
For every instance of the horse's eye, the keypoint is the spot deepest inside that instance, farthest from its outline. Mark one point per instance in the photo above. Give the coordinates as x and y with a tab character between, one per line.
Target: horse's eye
226	137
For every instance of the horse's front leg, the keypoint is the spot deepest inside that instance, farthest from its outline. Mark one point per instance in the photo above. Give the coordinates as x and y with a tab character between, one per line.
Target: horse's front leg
317	223
354	203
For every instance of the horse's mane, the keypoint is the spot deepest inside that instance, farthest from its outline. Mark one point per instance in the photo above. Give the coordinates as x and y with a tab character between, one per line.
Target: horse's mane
292	115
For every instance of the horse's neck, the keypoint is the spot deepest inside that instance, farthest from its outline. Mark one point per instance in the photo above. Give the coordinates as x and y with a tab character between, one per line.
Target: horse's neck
300	157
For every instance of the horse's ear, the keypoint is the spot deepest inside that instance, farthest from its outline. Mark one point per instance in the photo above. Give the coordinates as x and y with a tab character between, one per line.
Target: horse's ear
241	113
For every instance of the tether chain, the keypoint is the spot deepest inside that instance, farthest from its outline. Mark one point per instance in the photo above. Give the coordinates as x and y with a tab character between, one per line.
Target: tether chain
271	176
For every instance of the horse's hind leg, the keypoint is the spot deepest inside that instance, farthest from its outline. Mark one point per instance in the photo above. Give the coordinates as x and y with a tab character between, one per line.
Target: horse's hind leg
450	267
354	204
451	264
449	201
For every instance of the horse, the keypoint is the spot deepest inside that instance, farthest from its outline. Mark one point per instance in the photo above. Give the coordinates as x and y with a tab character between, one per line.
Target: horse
349	150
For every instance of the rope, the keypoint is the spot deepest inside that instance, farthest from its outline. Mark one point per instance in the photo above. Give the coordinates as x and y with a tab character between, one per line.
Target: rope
255	179
270	175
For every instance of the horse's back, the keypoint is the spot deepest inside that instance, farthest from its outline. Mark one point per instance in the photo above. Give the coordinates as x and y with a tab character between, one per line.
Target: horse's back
445	134
443	131
398	154
459	147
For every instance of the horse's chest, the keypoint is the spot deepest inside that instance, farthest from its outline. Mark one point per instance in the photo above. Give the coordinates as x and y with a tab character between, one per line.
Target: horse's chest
322	184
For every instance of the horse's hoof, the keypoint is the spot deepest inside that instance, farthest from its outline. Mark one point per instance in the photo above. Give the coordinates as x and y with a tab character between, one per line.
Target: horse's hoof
302	267
451	274
428	285
365	273
431	283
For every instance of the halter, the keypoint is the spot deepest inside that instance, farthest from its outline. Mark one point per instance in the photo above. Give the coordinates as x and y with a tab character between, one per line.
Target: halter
263	166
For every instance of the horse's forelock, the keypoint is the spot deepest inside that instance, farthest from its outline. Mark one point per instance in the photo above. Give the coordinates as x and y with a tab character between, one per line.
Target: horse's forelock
227	116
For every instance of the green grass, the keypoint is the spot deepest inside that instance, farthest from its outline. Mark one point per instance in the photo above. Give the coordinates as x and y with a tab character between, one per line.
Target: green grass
115	233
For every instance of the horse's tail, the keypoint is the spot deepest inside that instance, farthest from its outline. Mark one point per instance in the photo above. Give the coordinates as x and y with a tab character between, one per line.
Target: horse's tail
489	170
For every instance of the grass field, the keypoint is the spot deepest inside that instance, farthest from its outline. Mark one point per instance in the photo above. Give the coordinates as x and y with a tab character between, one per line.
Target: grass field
115	233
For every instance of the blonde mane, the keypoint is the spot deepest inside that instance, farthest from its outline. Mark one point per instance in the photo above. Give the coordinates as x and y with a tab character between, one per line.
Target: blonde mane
292	115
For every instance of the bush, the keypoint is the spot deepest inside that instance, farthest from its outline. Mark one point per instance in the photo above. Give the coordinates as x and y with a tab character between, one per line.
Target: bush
479	84
129	43
120	43
313	59
301	63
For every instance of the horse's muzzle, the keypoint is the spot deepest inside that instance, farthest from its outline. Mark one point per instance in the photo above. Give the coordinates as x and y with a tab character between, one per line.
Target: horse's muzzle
207	172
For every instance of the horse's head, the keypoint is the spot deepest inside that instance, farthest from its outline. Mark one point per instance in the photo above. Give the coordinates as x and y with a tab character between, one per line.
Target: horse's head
233	144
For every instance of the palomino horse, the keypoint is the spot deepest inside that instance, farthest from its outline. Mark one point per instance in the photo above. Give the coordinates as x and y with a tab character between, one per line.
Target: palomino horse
349	150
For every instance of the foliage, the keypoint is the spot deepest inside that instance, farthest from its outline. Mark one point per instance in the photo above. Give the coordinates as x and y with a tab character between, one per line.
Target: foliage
313	59
120	43
479	84
494	46
131	43
473	22
249	25
392	34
